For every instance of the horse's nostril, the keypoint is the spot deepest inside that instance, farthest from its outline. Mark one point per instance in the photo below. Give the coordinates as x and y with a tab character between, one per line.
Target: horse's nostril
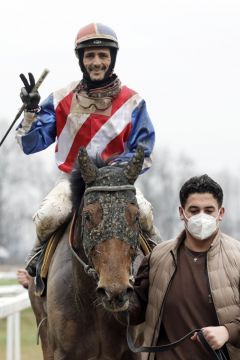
129	290
101	292
117	297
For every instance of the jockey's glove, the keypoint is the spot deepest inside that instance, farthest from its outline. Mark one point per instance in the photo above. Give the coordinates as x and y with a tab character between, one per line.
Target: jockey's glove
29	97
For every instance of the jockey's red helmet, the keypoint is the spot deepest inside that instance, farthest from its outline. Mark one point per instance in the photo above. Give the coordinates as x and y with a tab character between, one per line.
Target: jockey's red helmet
95	35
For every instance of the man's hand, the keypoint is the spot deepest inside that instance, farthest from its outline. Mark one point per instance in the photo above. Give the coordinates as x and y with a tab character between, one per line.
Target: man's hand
216	336
23	278
31	99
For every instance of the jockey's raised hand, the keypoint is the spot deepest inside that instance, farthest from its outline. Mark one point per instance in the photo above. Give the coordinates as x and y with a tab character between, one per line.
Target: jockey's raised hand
28	95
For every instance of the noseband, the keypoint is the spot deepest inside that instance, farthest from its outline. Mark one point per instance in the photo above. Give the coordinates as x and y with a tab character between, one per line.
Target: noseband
87	268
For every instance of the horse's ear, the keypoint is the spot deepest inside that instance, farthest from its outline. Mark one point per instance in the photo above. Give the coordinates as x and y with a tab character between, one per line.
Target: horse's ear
88	169
134	166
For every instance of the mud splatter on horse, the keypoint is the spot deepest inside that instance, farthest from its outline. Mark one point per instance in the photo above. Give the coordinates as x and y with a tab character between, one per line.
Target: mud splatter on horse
90	276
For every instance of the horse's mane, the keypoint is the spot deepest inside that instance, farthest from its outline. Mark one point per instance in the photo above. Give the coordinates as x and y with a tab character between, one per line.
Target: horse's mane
77	183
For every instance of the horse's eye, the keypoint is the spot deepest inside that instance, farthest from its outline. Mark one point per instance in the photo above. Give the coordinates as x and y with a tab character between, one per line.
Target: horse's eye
137	217
87	217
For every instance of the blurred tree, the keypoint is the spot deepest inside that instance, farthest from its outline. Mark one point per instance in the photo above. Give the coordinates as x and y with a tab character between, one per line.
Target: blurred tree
160	186
231	201
24	181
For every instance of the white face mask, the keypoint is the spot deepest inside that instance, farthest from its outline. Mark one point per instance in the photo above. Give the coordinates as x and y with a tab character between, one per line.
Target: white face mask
201	226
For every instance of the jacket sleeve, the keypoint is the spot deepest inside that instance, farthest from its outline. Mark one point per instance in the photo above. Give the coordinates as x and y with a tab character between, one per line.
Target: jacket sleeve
233	326
37	131
139	300
234	332
142	133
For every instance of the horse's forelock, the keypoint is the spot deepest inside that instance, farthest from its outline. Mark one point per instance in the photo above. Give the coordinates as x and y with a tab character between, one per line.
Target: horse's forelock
77	183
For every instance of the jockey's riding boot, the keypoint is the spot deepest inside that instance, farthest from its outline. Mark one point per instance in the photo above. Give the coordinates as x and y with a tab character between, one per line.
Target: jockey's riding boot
149	230
155	235
33	257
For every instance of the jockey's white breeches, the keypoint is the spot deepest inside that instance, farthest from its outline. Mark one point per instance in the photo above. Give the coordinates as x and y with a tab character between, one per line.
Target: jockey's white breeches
56	209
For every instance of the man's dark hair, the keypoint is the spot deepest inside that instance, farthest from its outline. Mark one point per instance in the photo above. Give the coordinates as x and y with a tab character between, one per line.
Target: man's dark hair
201	184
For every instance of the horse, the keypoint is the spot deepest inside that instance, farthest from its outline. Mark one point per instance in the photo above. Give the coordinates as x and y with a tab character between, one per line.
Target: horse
90	277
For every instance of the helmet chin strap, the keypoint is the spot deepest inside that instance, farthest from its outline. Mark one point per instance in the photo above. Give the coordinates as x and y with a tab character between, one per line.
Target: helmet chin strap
89	84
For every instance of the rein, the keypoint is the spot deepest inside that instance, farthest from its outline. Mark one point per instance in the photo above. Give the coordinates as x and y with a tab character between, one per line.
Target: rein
89	270
217	354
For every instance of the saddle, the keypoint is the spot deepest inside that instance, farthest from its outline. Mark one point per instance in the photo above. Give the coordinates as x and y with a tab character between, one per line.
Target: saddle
44	261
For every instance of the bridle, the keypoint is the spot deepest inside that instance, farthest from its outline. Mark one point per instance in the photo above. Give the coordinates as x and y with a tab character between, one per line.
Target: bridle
89	270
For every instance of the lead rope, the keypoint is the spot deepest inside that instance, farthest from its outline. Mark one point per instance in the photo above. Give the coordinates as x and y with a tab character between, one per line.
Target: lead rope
87	268
218	354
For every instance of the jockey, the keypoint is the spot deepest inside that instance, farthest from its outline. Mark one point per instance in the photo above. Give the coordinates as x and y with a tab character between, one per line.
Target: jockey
97	113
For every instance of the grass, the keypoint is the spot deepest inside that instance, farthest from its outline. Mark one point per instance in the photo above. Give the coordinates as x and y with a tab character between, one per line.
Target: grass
8	282
29	348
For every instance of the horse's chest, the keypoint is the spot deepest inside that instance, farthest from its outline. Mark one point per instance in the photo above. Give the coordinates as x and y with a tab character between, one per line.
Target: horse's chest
92	336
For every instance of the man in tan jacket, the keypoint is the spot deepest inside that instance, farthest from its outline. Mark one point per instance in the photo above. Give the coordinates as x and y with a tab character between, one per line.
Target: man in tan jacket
192	282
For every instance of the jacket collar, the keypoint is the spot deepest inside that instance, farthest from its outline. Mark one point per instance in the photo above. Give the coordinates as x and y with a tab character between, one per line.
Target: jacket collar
213	249
177	243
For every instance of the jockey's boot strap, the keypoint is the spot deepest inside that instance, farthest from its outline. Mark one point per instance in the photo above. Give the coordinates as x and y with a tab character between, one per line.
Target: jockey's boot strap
32	260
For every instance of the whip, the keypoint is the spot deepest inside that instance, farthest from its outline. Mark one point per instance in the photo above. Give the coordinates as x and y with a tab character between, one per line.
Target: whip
37	85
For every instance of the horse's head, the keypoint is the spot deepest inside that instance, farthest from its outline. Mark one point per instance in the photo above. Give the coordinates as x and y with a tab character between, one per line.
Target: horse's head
110	226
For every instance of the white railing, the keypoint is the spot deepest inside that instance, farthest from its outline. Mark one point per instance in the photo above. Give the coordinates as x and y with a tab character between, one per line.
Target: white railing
13	299
10	275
